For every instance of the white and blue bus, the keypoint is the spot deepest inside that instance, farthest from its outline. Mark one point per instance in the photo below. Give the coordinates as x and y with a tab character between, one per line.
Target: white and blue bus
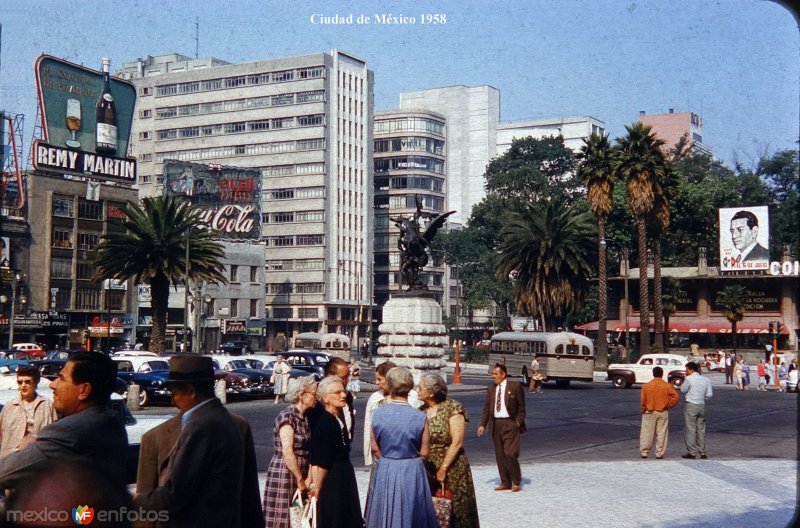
563	356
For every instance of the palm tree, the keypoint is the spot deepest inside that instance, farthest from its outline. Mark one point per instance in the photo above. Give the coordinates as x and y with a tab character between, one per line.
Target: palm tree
641	165
732	300
669	300
150	248
548	248
596	170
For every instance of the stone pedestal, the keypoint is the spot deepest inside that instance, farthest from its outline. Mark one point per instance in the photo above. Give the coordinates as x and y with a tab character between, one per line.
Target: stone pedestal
412	333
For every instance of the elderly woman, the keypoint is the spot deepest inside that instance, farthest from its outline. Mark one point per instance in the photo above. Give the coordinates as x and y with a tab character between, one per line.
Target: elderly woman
399	495
375	400
446	421
332	477
280	378
288	467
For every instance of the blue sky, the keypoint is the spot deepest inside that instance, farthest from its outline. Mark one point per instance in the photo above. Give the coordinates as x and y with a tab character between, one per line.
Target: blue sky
735	62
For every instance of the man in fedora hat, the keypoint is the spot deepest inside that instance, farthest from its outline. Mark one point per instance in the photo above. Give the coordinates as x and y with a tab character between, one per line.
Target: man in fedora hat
201	478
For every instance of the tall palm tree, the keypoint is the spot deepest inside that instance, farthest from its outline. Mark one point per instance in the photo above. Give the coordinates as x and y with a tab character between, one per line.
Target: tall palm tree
641	164
732	300
548	248
596	170
150	248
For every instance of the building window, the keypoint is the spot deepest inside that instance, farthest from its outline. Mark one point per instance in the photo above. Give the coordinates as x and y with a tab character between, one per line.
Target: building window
60	268
63	299
63	206
144	136
311	120
145	157
234	307
234	273
145	114
309	313
281	241
281	313
88	241
85	270
253	307
253	274
146	90
310	287
62	239
87	299
115	300
310	240
90	210
279	287
282	218
310	216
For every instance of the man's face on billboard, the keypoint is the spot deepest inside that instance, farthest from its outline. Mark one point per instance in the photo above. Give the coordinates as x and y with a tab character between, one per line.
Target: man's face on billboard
743	237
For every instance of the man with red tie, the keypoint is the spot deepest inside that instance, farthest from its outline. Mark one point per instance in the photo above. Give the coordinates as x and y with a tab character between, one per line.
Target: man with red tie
505	406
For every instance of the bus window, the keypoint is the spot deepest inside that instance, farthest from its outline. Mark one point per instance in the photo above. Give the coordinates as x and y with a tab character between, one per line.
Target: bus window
572	349
559	349
586	351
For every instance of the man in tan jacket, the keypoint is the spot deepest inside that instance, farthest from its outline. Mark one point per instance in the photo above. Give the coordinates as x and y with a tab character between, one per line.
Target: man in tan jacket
657	397
22	418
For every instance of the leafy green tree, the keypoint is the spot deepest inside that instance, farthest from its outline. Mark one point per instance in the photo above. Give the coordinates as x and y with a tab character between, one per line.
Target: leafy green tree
781	172
596	170
641	164
547	248
732	300
151	249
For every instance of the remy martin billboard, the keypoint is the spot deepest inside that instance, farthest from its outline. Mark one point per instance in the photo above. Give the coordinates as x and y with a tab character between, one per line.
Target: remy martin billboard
230	197
744	238
86	118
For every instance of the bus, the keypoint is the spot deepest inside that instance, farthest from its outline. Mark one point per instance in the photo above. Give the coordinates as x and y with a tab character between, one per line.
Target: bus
563	356
334	344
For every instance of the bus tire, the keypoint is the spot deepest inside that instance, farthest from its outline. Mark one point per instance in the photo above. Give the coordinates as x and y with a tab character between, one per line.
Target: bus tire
619	382
526	379
562	383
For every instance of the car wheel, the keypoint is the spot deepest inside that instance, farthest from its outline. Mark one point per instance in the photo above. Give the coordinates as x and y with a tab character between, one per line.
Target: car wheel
144	398
619	382
526	379
676	382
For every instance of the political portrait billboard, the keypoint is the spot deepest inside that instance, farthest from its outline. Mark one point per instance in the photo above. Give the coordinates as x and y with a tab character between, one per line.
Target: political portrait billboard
743	238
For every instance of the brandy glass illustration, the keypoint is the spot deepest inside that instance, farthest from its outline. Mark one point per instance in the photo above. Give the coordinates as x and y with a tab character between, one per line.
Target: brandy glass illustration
73	121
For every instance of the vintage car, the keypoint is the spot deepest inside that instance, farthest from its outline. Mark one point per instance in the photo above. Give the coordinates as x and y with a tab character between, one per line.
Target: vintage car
148	371
240	378
623	375
33	349
234	348
309	362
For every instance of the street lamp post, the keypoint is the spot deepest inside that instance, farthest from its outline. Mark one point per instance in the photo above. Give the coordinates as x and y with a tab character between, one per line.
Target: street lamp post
186	296
15	279
358	314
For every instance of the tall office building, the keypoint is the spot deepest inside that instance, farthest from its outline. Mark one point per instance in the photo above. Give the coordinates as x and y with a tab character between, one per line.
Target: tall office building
410	165
573	129
671	126
305	122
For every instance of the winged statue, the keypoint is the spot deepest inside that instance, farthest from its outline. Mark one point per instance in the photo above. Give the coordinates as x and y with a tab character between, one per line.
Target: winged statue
413	244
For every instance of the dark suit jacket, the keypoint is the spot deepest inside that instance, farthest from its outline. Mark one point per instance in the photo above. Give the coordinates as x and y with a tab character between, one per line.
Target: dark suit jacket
96	435
157	444
758	252
203	474
514	400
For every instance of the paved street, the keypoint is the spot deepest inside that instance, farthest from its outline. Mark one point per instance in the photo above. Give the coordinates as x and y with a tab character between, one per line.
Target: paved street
581	465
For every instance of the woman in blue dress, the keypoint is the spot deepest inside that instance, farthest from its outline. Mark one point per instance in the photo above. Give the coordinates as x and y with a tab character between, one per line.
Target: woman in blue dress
399	494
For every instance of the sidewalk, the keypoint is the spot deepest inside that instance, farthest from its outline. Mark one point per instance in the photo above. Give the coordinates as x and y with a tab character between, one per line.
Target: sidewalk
637	494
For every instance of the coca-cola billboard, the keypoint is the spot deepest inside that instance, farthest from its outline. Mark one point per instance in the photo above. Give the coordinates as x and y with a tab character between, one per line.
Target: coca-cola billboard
230	197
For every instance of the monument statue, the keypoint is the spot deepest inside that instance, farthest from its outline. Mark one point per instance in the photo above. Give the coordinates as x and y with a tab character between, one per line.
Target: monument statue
413	244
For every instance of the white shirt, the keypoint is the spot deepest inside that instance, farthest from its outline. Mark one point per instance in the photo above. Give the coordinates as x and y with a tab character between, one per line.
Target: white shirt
503	412
697	389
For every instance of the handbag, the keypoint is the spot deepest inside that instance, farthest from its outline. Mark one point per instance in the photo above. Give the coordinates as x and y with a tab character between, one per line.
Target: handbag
310	514
296	510
443	507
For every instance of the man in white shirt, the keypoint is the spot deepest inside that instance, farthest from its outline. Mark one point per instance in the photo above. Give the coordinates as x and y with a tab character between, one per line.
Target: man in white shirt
697	390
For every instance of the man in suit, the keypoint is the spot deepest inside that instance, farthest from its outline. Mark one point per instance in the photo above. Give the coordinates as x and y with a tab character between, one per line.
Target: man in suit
157	444
201	480
505	408
744	234
88	431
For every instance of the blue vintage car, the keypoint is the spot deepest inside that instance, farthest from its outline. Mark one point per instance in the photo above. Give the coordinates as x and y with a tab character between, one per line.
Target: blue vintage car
149	372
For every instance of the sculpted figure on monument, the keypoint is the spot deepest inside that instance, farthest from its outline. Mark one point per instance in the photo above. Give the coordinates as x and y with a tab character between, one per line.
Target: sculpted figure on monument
413	244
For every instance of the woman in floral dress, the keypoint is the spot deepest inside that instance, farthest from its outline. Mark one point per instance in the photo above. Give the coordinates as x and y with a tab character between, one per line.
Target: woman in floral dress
288	467
446	420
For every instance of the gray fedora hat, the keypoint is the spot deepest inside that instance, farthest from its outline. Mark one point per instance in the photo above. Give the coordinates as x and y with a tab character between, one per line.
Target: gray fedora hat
190	369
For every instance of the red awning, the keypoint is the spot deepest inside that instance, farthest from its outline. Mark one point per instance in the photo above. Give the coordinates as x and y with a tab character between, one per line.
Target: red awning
695	325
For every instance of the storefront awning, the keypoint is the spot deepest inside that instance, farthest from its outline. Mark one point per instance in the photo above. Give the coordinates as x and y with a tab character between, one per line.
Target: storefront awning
694	325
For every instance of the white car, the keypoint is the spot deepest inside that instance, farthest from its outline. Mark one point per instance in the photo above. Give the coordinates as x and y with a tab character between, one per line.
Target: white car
623	375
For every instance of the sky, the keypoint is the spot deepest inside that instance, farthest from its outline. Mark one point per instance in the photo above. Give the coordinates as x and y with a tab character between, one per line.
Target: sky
734	62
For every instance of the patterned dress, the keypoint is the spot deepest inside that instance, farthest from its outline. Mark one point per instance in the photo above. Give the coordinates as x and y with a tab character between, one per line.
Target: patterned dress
281	484
459	475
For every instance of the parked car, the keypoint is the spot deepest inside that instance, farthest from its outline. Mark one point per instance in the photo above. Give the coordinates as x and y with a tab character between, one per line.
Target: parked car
147	371
234	348
257	361
623	375
247	382
63	353
309	362
269	367
32	349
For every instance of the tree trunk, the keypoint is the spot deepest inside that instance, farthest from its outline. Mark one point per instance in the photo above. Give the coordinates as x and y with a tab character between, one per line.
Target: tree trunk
733	335
666	338
159	295
644	301
602	296
658	307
